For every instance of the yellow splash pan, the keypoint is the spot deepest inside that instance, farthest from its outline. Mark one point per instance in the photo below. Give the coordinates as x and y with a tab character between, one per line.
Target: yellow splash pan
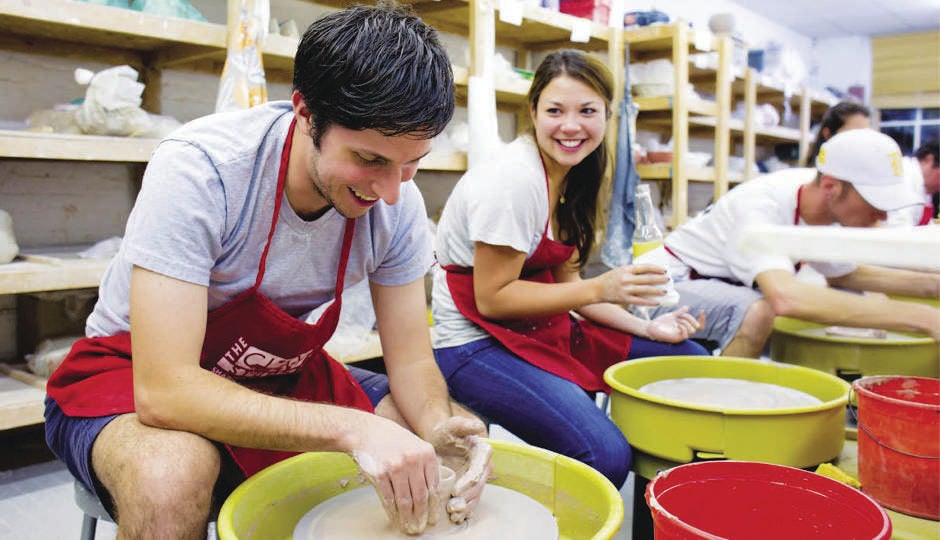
674	432
846	356
268	505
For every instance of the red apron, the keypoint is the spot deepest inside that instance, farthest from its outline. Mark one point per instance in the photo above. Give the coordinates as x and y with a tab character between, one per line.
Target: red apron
575	350
249	340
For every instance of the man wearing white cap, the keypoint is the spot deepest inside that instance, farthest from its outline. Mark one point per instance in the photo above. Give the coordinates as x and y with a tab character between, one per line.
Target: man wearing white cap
858	179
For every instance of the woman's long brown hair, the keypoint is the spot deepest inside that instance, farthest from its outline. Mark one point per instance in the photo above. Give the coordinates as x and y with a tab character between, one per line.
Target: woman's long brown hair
578	215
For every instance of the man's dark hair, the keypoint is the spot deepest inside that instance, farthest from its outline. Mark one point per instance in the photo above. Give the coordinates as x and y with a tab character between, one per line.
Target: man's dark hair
929	148
376	68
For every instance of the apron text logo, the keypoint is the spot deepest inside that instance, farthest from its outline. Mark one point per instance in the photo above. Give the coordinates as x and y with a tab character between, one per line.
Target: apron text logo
244	361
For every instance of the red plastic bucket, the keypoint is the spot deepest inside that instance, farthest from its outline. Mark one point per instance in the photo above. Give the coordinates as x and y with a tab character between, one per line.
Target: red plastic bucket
747	500
899	442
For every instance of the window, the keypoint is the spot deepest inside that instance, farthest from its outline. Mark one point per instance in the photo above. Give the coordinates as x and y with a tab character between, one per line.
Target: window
911	127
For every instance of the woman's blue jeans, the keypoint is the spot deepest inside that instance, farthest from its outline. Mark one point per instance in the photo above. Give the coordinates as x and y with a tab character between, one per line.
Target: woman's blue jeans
541	408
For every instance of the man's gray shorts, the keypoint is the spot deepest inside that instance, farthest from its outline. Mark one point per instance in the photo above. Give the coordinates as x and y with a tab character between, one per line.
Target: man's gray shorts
724	305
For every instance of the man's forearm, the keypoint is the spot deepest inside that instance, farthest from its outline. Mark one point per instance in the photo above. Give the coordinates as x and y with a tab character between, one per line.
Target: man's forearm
421	395
891	281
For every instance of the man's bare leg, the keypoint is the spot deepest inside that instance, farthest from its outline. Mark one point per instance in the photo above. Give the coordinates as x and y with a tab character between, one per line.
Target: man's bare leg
755	330
160	480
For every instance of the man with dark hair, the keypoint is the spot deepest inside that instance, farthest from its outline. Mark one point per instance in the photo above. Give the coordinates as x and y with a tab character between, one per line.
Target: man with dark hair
246	222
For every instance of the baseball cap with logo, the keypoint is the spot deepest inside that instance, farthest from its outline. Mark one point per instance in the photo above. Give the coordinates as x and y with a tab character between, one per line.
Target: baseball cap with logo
871	162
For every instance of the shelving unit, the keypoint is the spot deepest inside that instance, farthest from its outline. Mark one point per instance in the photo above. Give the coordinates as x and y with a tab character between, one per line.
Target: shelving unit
21	397
678	113
151	43
158	42
756	90
55	272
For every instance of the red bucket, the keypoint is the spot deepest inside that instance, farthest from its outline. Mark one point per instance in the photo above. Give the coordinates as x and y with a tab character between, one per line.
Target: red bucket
899	442
718	500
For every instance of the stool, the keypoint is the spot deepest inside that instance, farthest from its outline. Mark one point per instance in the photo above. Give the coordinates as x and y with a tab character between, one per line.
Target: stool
93	510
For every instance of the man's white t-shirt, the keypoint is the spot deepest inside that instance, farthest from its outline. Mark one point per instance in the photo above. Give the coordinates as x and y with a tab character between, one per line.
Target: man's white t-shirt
708	242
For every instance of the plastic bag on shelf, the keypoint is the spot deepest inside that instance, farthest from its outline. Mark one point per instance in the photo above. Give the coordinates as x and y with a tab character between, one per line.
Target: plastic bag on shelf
59	119
49	354
481	113
8	246
112	102
112	3
243	85
104	249
169	8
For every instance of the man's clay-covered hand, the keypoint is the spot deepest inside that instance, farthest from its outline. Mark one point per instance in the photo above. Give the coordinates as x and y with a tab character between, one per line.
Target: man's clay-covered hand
404	471
459	447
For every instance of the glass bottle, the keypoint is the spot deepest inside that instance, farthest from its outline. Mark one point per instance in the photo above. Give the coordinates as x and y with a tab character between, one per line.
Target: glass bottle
647	234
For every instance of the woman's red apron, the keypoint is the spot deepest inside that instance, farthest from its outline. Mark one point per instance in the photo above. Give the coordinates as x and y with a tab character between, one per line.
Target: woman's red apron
249	340
575	350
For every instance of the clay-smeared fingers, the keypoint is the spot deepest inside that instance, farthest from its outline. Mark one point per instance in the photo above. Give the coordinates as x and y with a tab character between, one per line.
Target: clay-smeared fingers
432	477
457	510
478	467
470	497
387	496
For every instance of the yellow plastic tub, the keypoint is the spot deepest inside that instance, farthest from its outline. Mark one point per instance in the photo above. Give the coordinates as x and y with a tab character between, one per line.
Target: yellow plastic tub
670	433
268	505
918	356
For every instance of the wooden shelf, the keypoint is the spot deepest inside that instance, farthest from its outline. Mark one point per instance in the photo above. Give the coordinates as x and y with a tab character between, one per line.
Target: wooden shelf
777	134
370	348
172	40
38	145
454	162
541	29
56	271
696	105
21	397
61	146
654	171
771	134
663	171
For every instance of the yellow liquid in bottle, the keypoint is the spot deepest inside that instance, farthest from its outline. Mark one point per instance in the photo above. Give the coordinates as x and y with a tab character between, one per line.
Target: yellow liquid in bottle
640	248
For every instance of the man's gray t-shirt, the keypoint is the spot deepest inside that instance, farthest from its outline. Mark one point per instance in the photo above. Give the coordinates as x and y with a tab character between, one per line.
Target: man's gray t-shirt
204	212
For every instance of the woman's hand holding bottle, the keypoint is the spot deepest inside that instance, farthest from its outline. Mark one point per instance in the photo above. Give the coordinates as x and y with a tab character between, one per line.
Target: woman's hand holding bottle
640	284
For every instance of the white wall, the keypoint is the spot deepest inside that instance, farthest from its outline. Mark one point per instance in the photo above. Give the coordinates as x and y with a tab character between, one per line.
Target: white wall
837	62
756	30
842	62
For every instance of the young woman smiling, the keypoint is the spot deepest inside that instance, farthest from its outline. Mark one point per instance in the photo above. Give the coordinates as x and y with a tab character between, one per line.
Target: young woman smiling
511	242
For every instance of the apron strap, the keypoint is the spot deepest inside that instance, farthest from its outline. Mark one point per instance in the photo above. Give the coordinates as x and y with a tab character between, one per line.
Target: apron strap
278	195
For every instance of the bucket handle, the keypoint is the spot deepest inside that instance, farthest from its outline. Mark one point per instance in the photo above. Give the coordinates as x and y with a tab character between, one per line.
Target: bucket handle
872	436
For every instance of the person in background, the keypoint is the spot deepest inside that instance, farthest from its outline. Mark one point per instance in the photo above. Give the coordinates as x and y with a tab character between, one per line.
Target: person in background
841	116
246	222
922	172
858	179
929	157
511	242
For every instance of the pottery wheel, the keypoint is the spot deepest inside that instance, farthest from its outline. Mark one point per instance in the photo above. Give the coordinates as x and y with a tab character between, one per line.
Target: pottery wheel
858	336
729	393
358	515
